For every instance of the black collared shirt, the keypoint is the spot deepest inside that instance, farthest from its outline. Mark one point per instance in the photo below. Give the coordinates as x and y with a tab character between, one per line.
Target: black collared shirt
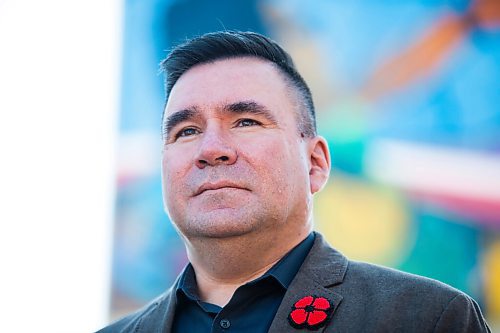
253	305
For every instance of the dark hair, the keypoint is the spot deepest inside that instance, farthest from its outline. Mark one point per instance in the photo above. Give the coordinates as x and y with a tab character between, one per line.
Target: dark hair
231	44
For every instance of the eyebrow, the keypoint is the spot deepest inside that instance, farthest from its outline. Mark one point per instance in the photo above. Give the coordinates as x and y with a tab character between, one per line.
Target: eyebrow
250	107
176	118
242	107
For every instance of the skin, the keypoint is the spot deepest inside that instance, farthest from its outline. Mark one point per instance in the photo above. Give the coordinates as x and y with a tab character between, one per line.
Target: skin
238	176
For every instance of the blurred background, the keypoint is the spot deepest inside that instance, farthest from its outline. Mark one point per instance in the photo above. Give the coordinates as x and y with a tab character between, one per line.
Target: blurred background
407	94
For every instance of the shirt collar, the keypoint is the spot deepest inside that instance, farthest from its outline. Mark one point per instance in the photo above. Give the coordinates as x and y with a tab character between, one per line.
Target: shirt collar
283	271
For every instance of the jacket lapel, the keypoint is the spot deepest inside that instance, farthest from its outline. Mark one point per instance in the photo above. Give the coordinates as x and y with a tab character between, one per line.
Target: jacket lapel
168	318
160	318
323	268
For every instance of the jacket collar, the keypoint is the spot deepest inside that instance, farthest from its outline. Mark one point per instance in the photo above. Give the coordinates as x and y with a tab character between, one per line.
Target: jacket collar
326	265
322	269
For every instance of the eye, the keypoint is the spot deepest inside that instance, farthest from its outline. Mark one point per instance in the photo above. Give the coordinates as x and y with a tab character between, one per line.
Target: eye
247	122
189	131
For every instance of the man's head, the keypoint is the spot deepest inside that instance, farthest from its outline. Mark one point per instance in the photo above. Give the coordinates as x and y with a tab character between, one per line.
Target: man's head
229	44
236	157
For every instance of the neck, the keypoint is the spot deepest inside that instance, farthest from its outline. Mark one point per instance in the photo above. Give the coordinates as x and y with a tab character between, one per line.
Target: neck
224	264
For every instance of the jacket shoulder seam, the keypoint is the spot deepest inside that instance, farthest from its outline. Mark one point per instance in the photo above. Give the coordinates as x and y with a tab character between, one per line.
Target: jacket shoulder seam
444	310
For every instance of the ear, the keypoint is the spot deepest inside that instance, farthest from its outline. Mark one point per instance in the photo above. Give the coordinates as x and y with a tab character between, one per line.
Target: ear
319	163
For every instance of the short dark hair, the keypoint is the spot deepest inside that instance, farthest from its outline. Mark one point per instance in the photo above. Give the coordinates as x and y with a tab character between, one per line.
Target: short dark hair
220	45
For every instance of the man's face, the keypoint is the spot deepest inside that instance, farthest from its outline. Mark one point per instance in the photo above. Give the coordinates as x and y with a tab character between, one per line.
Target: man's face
233	160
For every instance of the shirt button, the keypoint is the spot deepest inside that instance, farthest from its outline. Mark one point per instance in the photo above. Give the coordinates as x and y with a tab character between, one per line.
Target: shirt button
224	323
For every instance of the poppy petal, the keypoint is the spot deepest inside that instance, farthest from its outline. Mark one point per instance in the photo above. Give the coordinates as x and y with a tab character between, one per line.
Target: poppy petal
303	302
316	317
321	303
298	316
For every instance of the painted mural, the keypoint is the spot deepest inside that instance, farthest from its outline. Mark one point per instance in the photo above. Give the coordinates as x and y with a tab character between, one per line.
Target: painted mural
407	94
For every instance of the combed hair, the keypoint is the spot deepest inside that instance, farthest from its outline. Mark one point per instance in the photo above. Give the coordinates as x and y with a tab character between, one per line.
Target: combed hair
220	45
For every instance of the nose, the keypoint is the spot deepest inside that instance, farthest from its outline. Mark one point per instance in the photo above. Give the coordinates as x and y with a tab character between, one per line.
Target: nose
216	148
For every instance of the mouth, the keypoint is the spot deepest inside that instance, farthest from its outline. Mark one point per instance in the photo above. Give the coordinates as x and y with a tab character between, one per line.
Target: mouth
218	186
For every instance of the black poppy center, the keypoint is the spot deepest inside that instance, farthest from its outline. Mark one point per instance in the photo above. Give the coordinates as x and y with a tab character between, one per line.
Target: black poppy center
309	308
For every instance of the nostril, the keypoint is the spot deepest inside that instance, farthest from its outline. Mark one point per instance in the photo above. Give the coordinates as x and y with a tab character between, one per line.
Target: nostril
223	158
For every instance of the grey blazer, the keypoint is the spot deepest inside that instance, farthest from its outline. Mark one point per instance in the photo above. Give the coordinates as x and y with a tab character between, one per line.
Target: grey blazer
364	297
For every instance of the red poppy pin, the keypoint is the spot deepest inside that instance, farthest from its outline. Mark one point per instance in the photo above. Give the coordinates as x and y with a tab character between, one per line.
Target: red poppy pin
310	312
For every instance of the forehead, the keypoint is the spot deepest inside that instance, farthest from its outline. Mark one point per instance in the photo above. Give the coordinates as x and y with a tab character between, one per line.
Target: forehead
226	81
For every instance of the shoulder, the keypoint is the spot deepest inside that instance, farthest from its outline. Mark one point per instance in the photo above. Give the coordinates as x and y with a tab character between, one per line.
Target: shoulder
152	312
391	281
424	303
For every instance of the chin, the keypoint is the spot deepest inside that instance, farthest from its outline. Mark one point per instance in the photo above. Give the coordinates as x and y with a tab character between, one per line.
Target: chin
220	225
218	232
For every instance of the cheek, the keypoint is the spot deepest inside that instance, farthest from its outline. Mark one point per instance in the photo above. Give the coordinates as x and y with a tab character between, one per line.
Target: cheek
174	169
276	163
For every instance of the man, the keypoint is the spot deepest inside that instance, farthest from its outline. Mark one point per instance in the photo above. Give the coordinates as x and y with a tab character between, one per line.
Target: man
241	163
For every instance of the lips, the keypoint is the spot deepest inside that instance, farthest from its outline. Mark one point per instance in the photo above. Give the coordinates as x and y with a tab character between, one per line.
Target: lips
218	186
